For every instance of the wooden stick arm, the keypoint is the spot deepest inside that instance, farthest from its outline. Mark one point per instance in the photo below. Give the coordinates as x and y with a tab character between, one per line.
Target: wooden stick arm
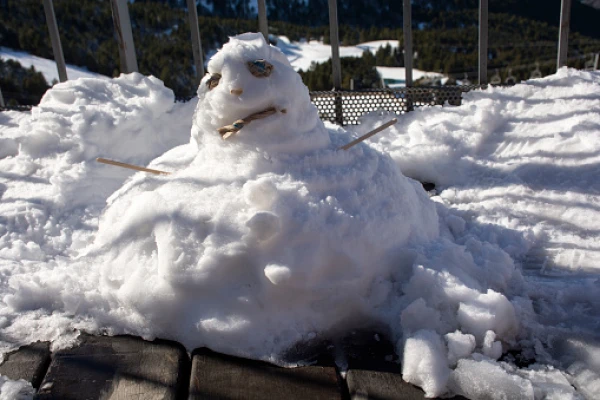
130	166
368	134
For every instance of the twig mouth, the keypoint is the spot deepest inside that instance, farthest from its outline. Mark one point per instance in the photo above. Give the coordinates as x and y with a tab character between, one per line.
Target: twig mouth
228	130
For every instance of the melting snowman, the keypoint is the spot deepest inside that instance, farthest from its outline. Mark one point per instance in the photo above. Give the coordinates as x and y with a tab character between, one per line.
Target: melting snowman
269	237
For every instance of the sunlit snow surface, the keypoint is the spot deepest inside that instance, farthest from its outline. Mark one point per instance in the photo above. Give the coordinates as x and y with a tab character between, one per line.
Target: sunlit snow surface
274	237
45	66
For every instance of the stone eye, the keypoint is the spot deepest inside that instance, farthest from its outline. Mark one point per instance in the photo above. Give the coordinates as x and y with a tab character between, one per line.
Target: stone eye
260	68
213	81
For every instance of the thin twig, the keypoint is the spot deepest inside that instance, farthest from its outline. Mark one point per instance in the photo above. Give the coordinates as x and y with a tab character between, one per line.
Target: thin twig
229	130
369	134
130	166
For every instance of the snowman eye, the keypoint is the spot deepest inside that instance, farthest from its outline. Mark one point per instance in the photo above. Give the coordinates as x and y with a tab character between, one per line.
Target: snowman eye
213	81
260	68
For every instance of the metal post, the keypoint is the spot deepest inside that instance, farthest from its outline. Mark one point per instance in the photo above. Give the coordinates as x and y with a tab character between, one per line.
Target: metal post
563	35
408	50
196	42
2	104
596	61
335	60
55	39
263	27
483	41
120	14
335	45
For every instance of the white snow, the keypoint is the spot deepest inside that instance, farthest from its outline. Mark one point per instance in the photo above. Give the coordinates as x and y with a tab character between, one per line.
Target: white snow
274	237
396	76
45	66
15	390
303	53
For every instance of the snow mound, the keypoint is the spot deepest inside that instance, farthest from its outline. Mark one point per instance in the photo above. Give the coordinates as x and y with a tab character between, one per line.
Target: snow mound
273	231
80	120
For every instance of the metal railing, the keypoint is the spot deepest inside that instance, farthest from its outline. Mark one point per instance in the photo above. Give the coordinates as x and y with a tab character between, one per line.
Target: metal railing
129	62
346	107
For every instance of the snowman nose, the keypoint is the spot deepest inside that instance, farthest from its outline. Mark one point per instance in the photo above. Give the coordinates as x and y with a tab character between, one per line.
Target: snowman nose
236	92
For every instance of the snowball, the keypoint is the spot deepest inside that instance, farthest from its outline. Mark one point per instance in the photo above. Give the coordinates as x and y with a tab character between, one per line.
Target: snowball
460	345
277	274
424	362
261	193
489	311
490	347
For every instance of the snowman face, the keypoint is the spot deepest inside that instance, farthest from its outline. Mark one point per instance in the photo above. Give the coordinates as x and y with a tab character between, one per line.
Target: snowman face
246	70
252	88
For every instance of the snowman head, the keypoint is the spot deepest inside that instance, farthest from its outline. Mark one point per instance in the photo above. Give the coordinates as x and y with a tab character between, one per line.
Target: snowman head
246	77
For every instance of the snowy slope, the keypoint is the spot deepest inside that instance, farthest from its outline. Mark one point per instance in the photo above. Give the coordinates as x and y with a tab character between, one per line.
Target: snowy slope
300	54
503	262
45	66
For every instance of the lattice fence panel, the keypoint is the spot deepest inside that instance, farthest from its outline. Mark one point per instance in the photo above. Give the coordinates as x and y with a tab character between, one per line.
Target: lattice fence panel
346	107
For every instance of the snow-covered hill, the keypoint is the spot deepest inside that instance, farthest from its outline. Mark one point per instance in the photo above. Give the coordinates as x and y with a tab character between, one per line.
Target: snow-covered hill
45	66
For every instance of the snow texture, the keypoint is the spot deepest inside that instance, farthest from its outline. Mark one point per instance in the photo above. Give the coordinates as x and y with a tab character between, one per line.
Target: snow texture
15	390
275	237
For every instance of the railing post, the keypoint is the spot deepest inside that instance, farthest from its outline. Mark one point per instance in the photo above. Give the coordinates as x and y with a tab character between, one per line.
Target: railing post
483	41
263	27
196	42
408	50
335	60
335	45
563	35
55	40
2	104
120	14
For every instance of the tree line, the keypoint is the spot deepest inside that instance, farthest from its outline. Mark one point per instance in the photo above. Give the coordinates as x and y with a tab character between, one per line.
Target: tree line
444	38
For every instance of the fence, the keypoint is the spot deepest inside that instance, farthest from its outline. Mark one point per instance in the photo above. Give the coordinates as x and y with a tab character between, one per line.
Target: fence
338	106
346	107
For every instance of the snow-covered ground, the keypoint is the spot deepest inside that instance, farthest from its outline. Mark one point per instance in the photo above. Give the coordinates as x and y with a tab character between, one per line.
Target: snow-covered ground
302	54
489	289
45	66
395	77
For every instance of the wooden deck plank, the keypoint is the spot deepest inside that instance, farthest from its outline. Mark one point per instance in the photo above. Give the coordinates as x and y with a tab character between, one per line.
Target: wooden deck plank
119	367
218	376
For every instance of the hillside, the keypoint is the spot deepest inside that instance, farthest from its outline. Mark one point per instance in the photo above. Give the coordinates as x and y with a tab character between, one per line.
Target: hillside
445	42
383	13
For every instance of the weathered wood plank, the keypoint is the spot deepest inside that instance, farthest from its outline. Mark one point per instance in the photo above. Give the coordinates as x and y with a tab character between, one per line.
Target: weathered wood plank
28	362
218	376
120	367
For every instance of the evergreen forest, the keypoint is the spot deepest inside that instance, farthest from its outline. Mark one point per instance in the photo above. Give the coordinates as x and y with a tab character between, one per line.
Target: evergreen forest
522	35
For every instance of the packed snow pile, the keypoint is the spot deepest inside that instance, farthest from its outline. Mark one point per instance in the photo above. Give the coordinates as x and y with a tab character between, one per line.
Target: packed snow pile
274	237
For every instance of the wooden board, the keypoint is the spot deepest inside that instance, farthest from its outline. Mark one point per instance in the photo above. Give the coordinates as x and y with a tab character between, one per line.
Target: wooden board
218	376
119	367
29	363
